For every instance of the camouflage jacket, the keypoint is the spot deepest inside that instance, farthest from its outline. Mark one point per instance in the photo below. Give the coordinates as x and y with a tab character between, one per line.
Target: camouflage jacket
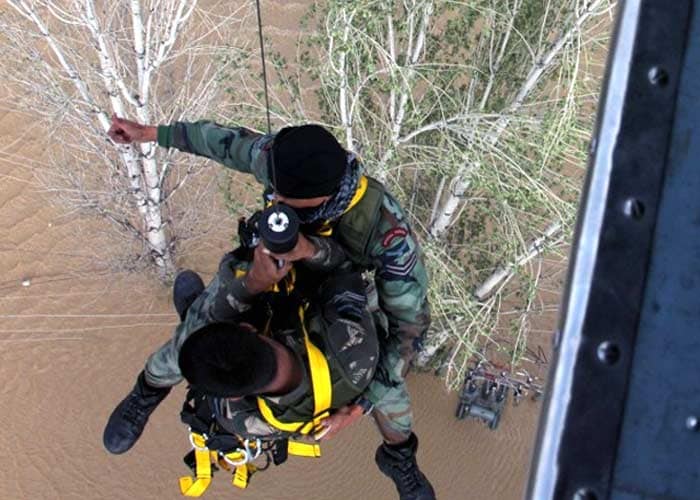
347	339
400	275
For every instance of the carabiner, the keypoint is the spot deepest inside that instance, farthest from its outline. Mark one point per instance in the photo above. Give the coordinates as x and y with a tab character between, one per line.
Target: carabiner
191	438
258	448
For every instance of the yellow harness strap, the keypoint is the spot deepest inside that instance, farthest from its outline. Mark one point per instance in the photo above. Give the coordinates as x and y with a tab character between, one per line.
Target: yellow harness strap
322	391
359	193
195	487
300	449
242	475
326	229
242	472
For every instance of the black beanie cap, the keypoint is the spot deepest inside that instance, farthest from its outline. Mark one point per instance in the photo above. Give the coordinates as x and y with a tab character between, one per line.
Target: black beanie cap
224	360
307	162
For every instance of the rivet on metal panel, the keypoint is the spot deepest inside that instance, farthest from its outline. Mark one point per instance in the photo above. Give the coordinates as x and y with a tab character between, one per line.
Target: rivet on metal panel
658	76
585	494
608	353
634	208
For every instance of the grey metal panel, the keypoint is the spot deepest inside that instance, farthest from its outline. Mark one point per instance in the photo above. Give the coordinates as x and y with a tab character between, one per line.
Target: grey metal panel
659	455
546	471
630	496
579	434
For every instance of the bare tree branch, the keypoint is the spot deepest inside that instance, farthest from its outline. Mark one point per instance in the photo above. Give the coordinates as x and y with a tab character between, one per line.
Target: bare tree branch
74	65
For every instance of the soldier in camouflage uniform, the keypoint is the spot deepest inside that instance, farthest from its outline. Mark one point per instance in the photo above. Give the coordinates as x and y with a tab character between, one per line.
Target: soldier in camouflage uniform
306	168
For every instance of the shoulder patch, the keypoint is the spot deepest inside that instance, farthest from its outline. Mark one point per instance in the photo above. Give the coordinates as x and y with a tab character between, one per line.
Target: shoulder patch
389	236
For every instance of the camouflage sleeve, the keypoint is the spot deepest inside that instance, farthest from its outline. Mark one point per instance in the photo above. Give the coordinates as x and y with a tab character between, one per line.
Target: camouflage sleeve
223	300
402	285
236	148
329	255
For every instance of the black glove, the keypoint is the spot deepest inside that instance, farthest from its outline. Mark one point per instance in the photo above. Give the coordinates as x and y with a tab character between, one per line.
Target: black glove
230	261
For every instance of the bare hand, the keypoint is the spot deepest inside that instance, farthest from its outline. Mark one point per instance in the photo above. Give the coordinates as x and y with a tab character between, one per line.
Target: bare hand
125	131
342	418
264	272
304	249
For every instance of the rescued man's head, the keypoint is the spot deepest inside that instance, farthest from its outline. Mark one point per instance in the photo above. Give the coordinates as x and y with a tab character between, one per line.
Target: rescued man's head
231	360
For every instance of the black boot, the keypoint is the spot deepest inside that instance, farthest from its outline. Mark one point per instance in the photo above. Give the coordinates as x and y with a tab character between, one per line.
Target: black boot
188	286
399	463
128	419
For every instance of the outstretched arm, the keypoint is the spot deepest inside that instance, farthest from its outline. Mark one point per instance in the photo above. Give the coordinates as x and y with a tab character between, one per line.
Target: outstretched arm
237	148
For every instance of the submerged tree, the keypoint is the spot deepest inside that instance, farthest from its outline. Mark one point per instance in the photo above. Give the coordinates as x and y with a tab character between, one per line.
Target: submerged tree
477	113
74	64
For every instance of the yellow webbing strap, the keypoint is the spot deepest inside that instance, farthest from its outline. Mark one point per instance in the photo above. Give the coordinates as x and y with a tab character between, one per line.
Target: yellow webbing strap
234	456
290	279
326	229
321	386
300	449
359	193
195	487
242	475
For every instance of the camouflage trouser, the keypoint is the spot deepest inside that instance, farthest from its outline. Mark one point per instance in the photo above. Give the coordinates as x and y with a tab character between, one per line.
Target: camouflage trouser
392	413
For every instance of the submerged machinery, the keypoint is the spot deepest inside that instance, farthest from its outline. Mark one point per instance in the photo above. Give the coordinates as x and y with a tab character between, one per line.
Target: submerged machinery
486	389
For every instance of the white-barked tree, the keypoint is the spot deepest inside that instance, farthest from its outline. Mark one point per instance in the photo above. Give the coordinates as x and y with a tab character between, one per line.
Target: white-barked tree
73	64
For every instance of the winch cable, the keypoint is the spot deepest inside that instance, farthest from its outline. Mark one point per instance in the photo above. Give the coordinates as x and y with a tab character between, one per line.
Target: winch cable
264	73
264	70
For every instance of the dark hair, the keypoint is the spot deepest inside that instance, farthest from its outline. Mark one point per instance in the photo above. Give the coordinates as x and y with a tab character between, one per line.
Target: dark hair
225	360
